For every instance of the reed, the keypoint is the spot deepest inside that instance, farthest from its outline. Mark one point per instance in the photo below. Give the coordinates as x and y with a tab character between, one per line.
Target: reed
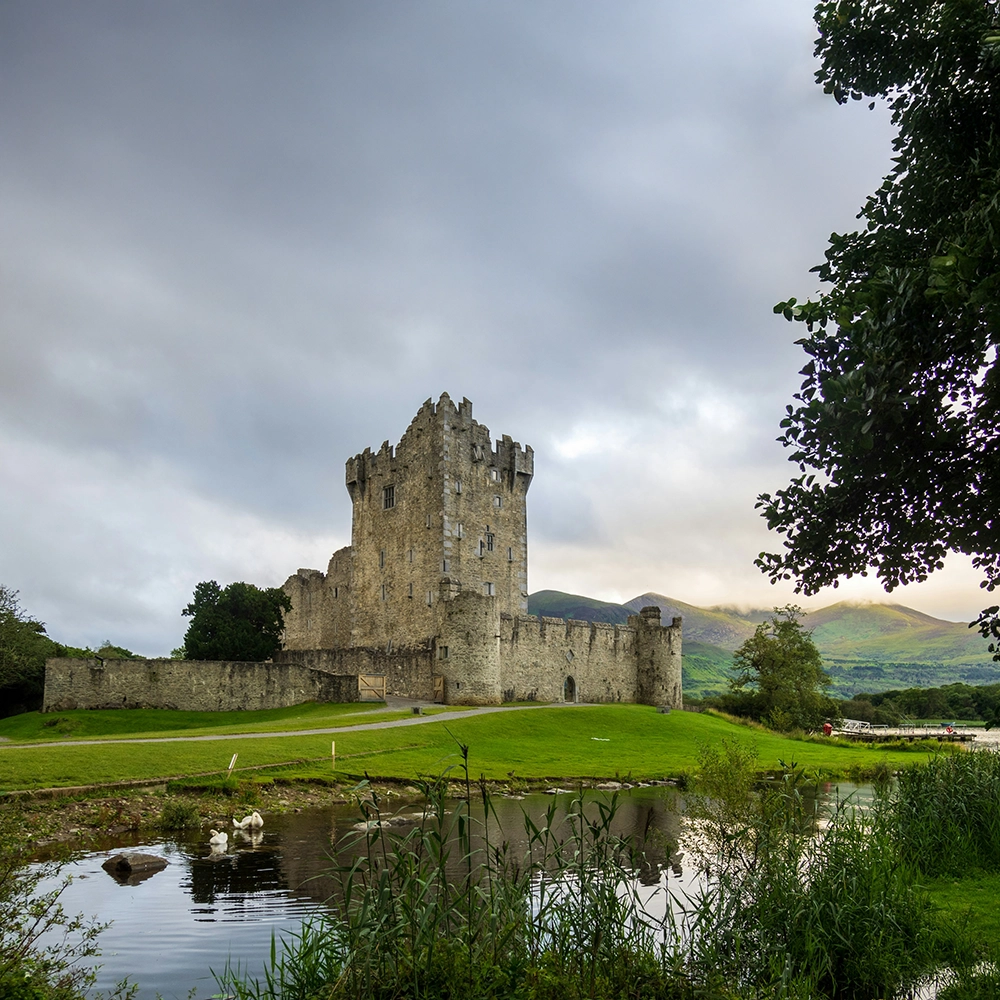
792	905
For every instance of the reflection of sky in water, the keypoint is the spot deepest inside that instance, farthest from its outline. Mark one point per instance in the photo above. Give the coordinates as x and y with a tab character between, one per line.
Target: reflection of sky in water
171	930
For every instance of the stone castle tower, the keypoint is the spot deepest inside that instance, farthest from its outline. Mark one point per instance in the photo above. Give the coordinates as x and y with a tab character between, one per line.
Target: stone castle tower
433	589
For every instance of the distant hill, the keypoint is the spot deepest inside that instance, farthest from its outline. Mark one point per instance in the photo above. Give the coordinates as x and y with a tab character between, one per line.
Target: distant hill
865	647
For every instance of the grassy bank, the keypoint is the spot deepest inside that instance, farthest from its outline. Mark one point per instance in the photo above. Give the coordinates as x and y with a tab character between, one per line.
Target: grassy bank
604	741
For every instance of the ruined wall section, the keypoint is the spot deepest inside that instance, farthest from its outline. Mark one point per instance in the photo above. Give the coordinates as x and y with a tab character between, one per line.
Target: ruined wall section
321	605
409	670
188	685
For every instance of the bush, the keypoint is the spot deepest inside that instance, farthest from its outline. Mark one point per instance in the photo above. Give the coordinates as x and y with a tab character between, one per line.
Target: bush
178	815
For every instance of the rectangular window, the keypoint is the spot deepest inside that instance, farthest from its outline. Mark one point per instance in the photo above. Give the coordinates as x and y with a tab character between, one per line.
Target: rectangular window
410	591
383	591
489	541
510	554
381	558
458	485
430	598
488	589
411	555
388	497
428	520
444	565
498	502
442	652
336	592
461	529
495	475
482	548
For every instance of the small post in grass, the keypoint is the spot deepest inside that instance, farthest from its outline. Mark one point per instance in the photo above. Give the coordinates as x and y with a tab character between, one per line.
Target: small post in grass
333	754
232	764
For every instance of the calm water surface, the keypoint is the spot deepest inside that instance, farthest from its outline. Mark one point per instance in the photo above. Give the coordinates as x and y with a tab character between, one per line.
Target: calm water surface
171	930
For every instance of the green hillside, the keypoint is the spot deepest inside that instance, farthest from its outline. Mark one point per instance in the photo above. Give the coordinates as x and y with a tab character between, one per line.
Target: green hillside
865	647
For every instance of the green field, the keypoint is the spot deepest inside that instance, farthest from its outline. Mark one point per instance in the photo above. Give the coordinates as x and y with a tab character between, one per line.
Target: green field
561	744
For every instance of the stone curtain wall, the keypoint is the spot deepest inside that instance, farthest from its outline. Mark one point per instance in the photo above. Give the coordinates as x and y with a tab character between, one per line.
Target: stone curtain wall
638	662
190	685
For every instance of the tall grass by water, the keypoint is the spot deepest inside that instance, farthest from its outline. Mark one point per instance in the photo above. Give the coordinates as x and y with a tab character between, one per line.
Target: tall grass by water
787	908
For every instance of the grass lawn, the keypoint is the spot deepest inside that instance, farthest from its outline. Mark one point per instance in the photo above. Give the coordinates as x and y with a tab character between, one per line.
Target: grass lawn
147	722
971	901
604	741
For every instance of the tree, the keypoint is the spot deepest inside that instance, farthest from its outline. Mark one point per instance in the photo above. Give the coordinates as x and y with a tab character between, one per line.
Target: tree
779	676
895	428
240	622
24	647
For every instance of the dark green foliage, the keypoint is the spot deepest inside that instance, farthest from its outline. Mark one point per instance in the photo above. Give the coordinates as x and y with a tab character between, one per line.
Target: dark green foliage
779	676
179	815
953	701
238	622
28	969
24	648
895	427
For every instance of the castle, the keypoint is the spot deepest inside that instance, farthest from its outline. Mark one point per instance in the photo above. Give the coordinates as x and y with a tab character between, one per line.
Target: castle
432	592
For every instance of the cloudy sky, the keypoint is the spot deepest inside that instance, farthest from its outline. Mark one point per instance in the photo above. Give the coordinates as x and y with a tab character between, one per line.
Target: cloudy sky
242	241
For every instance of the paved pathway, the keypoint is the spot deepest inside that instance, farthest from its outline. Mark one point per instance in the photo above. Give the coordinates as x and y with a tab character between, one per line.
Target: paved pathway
415	720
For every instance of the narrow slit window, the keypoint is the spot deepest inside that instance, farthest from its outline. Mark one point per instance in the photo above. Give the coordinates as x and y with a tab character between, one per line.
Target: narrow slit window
489	590
383	591
388	497
411	555
482	547
410	591
381	558
428	520
336	592
458	485
430	598
461	530
510	554
444	565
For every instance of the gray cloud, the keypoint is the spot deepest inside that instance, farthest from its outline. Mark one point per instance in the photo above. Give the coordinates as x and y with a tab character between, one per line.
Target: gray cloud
243	243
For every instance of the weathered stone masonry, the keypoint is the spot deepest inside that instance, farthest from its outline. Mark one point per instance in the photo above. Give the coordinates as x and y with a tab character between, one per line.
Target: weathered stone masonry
436	581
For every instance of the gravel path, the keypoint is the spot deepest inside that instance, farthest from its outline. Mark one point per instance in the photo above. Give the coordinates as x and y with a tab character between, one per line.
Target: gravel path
416	720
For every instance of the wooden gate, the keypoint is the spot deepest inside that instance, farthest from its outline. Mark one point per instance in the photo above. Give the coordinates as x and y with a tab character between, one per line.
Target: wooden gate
371	687
439	688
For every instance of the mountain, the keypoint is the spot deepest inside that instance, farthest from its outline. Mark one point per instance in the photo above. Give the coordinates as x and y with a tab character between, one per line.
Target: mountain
865	646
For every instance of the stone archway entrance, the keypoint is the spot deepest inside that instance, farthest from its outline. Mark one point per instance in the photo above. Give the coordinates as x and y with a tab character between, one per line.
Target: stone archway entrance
569	689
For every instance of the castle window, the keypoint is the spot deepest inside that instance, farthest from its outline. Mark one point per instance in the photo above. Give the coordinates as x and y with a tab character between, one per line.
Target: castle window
482	548
430	598
383	591
442	652
461	530
458	485
428	520
381	558
336	592
489	541
498	502
510	554
388	497
410	591
489	590
444	565
495	475
411	555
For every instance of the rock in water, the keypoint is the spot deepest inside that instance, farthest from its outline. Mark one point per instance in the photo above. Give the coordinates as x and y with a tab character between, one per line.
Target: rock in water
131	869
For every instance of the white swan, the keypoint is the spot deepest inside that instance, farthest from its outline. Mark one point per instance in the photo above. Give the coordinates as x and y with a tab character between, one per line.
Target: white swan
242	824
252	822
219	841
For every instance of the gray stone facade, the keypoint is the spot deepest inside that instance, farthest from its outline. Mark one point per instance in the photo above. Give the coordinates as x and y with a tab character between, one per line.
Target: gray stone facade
434	585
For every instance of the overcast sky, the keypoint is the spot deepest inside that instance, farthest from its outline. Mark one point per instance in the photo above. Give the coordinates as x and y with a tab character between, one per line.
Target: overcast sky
242	241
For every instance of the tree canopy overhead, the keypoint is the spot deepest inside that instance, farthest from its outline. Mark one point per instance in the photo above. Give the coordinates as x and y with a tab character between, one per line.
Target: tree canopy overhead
895	427
238	622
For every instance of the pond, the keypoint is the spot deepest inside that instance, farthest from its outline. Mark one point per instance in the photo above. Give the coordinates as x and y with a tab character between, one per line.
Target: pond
171	930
